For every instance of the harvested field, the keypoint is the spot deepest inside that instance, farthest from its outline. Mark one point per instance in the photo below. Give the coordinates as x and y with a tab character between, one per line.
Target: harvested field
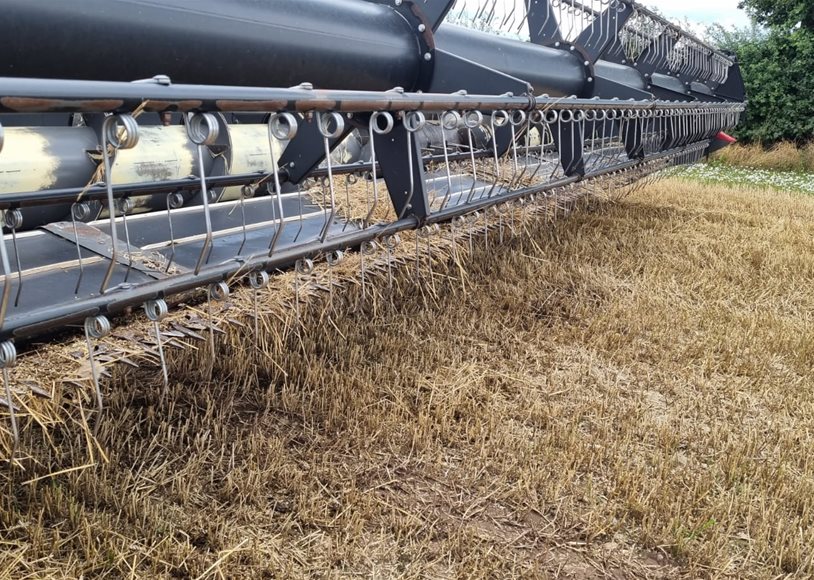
623	392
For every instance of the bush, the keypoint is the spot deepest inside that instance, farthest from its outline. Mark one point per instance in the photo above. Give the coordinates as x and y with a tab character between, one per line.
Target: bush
776	67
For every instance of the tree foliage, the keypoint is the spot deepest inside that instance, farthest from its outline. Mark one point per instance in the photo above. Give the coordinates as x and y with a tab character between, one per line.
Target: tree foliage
777	65
781	13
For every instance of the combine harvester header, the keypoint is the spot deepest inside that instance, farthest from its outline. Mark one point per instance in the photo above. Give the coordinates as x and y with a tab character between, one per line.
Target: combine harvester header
149	149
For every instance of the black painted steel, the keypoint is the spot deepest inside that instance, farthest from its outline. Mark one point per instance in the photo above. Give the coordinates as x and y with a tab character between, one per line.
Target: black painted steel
345	44
549	70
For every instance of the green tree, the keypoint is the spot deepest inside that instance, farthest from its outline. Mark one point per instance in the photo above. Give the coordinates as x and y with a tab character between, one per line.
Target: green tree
781	13
777	64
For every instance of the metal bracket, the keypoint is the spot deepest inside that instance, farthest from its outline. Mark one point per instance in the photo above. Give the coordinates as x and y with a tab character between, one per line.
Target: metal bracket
612	20
543	25
306	151
407	188
95	240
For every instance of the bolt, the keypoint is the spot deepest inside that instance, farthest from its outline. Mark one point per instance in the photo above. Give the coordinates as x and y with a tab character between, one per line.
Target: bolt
427	56
422	28
398	2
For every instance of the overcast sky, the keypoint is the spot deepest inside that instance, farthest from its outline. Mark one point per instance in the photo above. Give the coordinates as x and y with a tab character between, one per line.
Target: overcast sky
723	12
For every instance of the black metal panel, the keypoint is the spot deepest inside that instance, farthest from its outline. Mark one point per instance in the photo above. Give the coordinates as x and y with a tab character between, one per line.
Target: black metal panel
555	72
599	36
403	172
331	43
543	25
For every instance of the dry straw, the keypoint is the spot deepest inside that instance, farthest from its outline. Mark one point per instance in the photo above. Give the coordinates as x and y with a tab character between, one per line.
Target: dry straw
626	392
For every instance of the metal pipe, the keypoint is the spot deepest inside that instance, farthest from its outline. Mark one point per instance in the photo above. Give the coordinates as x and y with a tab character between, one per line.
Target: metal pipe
344	44
559	73
24	95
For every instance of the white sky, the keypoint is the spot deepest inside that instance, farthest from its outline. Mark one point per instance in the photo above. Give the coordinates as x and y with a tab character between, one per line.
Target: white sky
723	12
702	12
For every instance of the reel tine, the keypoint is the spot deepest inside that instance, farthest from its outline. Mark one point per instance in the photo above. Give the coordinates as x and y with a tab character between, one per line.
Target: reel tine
118	132
246	192
331	126
282	127
218	292
448	121
96	328
367	248
6	277
413	121
125	206
258	280
333	259
472	120
79	211
390	244
8	359
498	120
203	131
174	201
375	128
14	221
303	269
156	311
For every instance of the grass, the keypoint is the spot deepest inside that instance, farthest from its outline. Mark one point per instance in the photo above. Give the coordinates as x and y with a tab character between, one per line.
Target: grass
625	391
750	178
784	156
784	167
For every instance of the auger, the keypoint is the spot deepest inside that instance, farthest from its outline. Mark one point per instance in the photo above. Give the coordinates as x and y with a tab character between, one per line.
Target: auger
150	149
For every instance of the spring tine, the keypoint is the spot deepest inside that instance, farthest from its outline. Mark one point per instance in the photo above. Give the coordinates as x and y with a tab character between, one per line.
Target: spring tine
282	127
334	259
8	359
156	311
367	248
125	206
434	230
14	221
447	119
6	276
350	179
391	243
203	130
258	280
472	120
174	201
524	19
331	126
538	119
367	176
304	268
413	121
418	254
96	328
217	292
118	132
300	204
375	128
79	211
516	119
498	120
509	15
246	192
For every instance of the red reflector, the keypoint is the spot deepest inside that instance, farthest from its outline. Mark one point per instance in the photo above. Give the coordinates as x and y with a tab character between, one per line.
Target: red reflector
728	139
